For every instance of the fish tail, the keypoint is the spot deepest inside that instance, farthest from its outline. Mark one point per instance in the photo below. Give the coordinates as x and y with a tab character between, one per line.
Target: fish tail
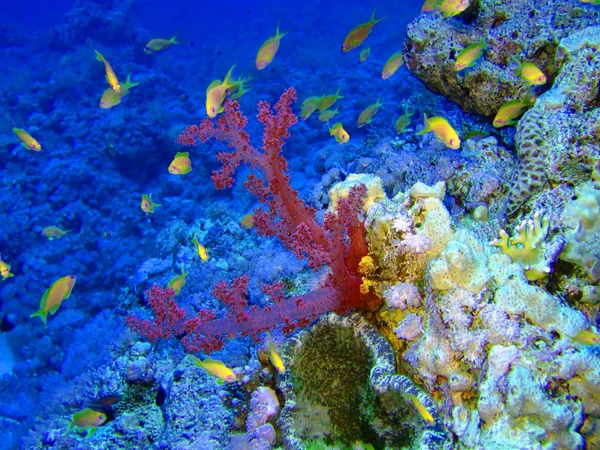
227	81
519	68
41	314
128	83
427	128
279	34
529	99
173	40
373	20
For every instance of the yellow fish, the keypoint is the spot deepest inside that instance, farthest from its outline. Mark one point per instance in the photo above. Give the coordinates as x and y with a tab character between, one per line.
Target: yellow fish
468	55
309	106
202	252
529	73
442	130
215	94
177	282
238	88
247	221
267	51
112	98
341	135
359	33
53	232
159	45
111	77
51	300
367	115
27	140
402	122
591	2
87	418
508	112
430	5
147	204
181	164
275	358
215	368
586	337
5	270
392	65
364	55
327	101
422	410
328	114
451	8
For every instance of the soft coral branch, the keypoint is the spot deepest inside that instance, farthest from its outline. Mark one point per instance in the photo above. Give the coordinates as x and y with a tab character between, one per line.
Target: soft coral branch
338	243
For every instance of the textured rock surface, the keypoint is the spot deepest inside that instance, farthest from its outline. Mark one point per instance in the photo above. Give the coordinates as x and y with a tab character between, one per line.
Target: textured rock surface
530	30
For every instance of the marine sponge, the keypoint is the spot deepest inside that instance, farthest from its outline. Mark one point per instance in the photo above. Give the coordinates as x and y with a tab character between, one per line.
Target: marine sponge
526	246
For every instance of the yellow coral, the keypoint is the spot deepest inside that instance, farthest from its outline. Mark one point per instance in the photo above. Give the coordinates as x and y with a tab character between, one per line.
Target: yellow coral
526	246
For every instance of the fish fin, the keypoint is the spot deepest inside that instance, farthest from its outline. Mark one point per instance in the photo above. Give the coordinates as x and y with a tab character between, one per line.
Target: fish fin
427	128
41	314
227	81
91	431
213	84
182	154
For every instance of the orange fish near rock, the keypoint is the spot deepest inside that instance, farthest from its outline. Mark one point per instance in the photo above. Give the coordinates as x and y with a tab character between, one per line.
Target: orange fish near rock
53	297
359	33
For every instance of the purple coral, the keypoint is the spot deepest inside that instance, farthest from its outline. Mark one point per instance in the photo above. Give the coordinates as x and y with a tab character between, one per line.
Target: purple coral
402	296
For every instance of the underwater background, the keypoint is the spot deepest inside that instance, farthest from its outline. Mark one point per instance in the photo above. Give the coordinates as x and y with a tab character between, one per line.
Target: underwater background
419	269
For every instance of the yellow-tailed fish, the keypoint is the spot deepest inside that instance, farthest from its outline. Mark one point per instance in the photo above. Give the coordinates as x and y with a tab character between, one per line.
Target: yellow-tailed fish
586	337
5	270
200	249
392	65
309	106
327	101
181	164
468	55
27	140
442	130
112	98
430	5
328	114
422	410
359	33
215	368
53	232
402	122
275	358
215	94
247	221
178	281
529	73
87	419
367	115
111	77
267	51
147	204
53	297
591	2
341	135
159	45
453	7
364	55
238	87
508	112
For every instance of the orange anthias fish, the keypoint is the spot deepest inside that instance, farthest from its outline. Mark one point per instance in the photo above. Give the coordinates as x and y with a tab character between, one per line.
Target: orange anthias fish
451	8
327	115
402	122
87	419
309	106
181	164
468	55
586	337
112	98
327	101
147	204
359	33
422	410
341	135
508	112
159	45
53	297
53	232
111	77
529	73
5	270
275	358
27	140
267	51
442	130
215	94
430	5
392	65
364	55
247	221
178	281
367	115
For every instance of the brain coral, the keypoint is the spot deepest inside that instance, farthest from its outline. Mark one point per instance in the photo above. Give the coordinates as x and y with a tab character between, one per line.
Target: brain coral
530	30
558	140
